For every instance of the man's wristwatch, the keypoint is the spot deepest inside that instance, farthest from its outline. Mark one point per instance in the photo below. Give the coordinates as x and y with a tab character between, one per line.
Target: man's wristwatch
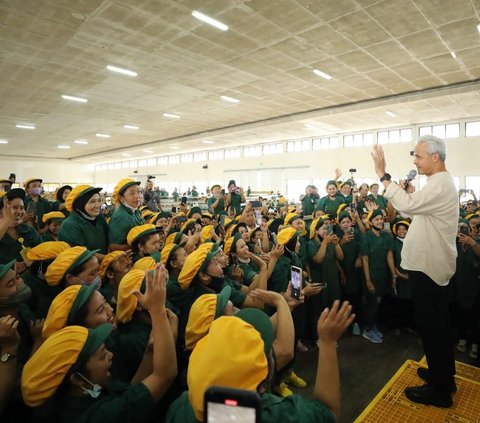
4	357
386	177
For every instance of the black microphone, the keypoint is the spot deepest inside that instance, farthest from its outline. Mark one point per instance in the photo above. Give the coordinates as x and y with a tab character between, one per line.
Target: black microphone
410	177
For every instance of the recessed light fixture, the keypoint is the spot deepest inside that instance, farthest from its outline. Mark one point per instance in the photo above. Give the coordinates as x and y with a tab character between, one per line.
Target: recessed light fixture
391	114
72	98
121	70
25	126
148	151
208	142
322	74
131	126
63	147
207	19
174	147
103	135
478	27
453	54
3	142
229	99
81	142
310	126
171	115
126	155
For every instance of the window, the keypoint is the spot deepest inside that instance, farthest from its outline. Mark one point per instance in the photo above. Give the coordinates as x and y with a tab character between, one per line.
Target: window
472	129
118	165
325	143
142	163
186	158
473	182
348	140
296	187
174	159
253	151
358	140
98	168
50	187
110	166
233	153
394	136
270	149
451	130
215	155
200	157
132	164
152	162
298	146
321	185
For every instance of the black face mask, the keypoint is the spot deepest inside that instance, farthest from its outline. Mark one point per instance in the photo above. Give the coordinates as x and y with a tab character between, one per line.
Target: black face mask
216	283
23	294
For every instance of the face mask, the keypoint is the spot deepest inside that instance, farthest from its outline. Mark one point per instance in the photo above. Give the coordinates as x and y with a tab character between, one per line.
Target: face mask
97	282
36	191
216	283
23	294
94	392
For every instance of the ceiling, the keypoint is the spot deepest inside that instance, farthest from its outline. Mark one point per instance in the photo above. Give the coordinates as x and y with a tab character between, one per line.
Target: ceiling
382	55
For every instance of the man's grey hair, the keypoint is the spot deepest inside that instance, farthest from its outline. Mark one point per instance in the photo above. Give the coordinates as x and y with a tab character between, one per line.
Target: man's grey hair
435	145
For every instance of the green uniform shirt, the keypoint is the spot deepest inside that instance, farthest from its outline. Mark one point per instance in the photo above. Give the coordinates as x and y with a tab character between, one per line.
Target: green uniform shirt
351	251
175	195
308	204
132	404
56	207
235	201
292	409
404	287
10	248
381	201
248	272
42	294
347	199
46	237
466	286
377	248
220	209
328	205
76	230
123	219
42	206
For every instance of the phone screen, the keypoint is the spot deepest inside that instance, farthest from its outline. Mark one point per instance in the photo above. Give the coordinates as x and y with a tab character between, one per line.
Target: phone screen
225	413
296	282
225	405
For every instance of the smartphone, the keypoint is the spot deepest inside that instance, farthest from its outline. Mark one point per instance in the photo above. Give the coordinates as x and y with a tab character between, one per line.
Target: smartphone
181	219
174	209
353	206
31	208
222	219
274	238
296	276
256	204
225	405
464	229
386	225
329	229
351	230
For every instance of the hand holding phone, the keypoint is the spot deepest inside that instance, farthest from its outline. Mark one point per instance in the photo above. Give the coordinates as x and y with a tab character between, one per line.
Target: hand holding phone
225	405
296	277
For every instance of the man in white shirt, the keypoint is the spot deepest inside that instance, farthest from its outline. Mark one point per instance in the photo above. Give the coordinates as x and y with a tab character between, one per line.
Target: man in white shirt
429	254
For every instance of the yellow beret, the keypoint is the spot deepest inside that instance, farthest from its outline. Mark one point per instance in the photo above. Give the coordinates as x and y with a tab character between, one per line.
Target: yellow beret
147	214
290	217
227	221
469	216
303	230
166	251
228	245
66	350
77	192
126	301
186	223
231	355
121	187
204	311
145	263
47	250
66	261
286	235
206	233
53	215
339	210
108	260
30	180
64	308
194	263
138	231
170	238
313	227
396	224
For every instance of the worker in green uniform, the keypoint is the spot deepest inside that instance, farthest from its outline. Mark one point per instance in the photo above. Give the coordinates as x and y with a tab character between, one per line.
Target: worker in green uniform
52	222
216	203
345	191
77	358
351	265
60	196
235	197
238	354
35	205
86	225
309	200
402	312
15	236
128	198
144	240
173	257
41	256
378	198
378	268
330	202
113	268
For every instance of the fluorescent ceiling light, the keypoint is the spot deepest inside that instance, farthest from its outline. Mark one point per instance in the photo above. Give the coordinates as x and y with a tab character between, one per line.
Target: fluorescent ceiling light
171	115
174	148
81	142
478	27
126	155
322	74
208	142
121	70
148	151
229	99
103	135
72	98
391	114
209	20
310	126
3	142
25	126
131	126
63	147
453	54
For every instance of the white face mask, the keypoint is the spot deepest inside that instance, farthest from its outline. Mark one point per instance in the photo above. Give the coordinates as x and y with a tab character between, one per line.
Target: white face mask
97	282
94	392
